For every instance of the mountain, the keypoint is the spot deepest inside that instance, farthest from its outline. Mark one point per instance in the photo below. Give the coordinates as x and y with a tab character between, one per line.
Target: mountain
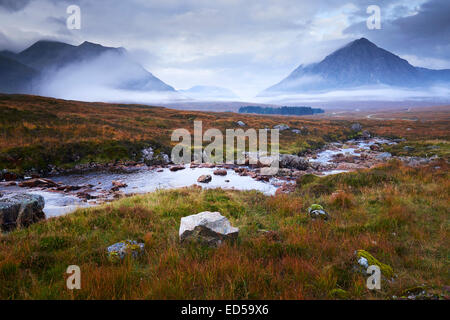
209	92
87	65
15	76
359	63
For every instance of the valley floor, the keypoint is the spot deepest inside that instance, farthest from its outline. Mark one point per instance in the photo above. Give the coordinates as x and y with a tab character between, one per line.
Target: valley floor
396	213
399	214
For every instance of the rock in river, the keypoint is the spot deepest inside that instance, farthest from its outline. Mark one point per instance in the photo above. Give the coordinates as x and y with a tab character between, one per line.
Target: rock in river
206	178
210	228
20	210
293	162
176	168
220	172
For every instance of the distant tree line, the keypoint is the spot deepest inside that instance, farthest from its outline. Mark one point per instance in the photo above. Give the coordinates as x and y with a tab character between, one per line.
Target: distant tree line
287	111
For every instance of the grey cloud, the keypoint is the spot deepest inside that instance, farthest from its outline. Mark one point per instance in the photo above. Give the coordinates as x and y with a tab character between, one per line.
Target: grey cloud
424	34
240	43
13	5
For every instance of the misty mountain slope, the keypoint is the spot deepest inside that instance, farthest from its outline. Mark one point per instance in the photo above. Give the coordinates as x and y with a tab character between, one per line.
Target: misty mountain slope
66	68
359	63
209	92
16	77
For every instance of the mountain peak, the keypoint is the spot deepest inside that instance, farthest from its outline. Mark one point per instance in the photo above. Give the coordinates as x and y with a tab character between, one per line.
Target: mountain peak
47	44
90	44
363	42
360	63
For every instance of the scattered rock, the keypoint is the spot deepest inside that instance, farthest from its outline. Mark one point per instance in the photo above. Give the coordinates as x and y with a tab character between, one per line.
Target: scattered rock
120	250
317	211
286	188
150	158
281	127
296	131
147	154
293	162
86	196
9	176
40	182
119	184
176	168
366	135
206	178
220	172
20	210
357	127
210	228
408	148
383	156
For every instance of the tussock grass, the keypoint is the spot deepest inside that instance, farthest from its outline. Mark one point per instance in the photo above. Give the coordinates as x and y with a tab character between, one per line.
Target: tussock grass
398	214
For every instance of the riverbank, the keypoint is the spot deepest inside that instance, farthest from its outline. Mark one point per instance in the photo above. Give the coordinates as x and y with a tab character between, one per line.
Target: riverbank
42	136
64	193
397	213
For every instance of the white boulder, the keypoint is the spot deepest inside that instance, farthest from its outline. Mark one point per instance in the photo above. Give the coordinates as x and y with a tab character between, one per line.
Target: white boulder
210	228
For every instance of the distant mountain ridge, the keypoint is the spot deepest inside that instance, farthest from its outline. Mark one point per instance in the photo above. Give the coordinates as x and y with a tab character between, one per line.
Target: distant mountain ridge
47	58
205	92
285	111
359	63
16	77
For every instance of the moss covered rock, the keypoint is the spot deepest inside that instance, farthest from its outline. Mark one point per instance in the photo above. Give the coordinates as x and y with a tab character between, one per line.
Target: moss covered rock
385	269
317	211
120	250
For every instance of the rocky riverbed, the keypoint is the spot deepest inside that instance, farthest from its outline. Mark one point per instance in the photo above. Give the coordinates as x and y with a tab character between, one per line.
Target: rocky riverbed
65	192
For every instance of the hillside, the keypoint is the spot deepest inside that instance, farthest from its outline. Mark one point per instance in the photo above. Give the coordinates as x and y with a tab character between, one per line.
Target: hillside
360	63
64	68
38	131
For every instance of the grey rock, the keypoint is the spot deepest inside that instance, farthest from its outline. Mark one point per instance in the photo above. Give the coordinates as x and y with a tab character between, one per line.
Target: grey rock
241	123
20	210
124	248
150	158
293	162
210	228
366	135
147	154
383	156
356	127
206	178
281	127
320	213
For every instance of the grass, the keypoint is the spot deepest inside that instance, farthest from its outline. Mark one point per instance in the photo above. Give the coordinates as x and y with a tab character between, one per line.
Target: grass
397	214
36	132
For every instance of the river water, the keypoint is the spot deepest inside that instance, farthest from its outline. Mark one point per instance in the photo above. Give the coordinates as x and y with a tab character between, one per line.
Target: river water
148	180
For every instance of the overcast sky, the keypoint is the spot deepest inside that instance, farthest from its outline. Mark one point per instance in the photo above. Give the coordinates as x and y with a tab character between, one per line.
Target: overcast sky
244	45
